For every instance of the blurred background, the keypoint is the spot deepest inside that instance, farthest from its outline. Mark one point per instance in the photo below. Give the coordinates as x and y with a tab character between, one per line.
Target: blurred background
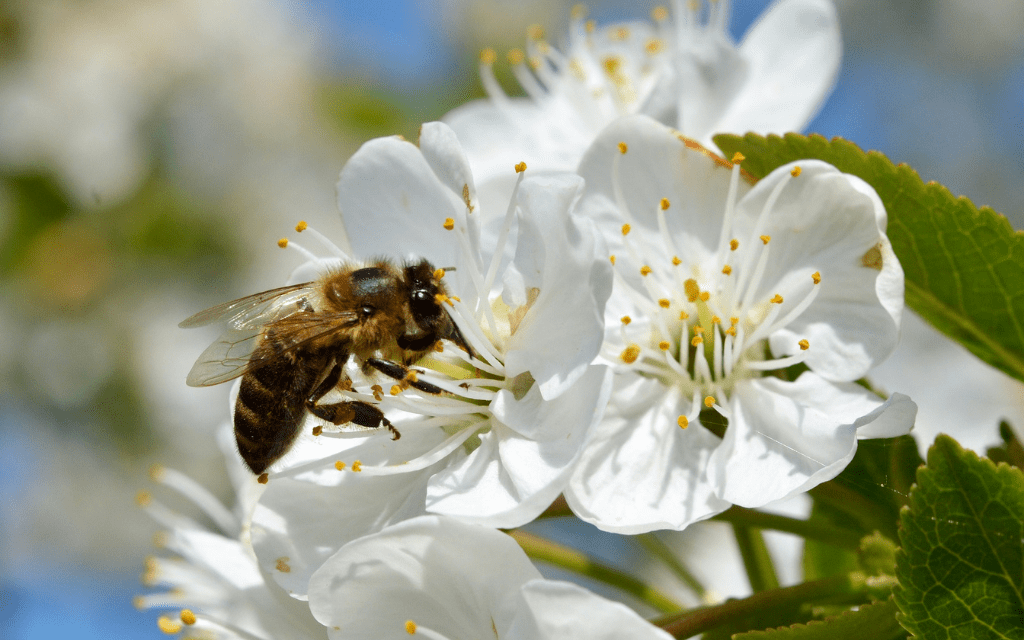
153	151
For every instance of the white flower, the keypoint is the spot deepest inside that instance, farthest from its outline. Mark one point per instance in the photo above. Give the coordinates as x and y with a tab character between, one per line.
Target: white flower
437	578
212	582
685	72
720	285
498	446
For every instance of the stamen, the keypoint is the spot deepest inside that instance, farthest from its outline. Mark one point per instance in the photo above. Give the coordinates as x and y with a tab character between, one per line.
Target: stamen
730	207
302	226
491	86
284	243
526	79
506	227
198	495
778	363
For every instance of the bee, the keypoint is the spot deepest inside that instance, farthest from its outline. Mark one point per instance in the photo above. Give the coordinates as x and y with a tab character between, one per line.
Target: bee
290	346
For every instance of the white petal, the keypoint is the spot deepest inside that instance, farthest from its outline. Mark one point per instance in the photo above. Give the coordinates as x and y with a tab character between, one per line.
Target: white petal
458	579
829	222
559	255
442	151
793	53
555	610
640	472
787	437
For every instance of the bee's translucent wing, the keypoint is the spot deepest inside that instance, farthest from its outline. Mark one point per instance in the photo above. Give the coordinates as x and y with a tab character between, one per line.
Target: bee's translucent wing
259	308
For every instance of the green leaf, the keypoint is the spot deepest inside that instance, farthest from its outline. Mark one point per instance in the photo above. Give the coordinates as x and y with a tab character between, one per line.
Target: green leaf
869	622
961	569
964	266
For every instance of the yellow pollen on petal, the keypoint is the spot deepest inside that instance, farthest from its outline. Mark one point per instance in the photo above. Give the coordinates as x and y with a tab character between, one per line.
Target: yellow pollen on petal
816	276
804	345
168	626
339	465
665	204
630	354
283	242
438	274
777	299
654	46
626	229
664	303
514	56
659	13
697	340
676	261
612	260
705	296
299	228
317	430
796	171
664	345
487	56
738	157
683	422
449	223
623	148
727	270
282	565
691	289
357	466
263	478
626	319
766	239
645	270
535	32
709	401
734	244
683	315
188	617
410	627
521	167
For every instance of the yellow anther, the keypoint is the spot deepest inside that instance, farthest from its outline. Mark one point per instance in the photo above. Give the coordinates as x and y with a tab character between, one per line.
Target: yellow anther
487	56
738	157
715	319
378	392
622	33
395	389
664	303
440	298
623	148
535	32
579	11
514	56
665	204
709	401
705	296
659	13
455	298
683	422
734	320
630	354
612	260
521	167
410	627
412	376
816	276
283	242
188	617
734	244
777	299
691	289
612	65
438	274
282	565
449	223
654	46
804	345
536	62
697	340
263	478
766	239
626	229
156	472
590	25
626	319
676	261
645	270
698	330
139	602
357	466
664	345
143	498
317	430
796	171
727	270
168	626
160	539
683	315
731	331
339	465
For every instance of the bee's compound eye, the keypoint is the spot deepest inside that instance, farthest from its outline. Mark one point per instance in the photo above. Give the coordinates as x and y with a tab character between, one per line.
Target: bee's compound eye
367	310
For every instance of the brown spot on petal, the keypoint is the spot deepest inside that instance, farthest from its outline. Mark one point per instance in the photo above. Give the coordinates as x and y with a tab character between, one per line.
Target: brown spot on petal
282	565
873	258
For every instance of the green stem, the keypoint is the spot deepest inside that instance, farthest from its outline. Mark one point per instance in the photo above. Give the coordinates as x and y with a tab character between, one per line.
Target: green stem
813	529
653	544
870	516
845	588
756	560
578	562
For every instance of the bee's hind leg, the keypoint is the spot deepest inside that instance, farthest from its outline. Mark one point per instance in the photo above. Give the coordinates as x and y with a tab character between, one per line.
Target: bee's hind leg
357	412
403	374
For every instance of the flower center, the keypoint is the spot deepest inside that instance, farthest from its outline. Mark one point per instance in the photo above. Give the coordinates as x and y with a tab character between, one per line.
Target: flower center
703	322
